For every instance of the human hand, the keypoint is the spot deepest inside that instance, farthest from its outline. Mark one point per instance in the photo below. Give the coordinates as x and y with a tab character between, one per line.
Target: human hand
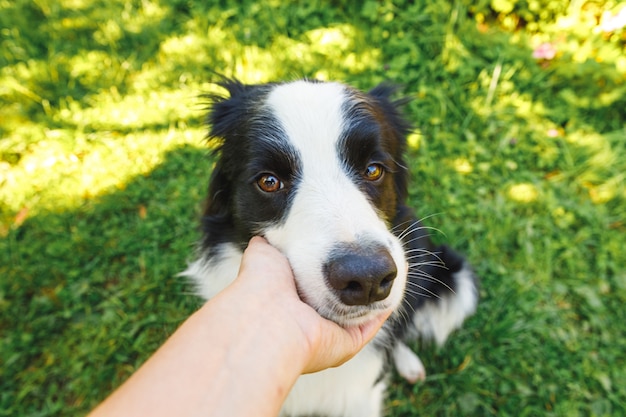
265	275
253	341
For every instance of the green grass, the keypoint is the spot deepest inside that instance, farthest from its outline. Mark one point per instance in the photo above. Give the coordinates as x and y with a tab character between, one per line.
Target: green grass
522	161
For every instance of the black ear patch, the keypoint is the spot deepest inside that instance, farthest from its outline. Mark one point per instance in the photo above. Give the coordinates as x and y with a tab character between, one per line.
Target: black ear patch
385	91
229	120
250	142
229	115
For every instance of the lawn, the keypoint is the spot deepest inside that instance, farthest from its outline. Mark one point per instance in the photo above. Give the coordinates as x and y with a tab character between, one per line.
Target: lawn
518	158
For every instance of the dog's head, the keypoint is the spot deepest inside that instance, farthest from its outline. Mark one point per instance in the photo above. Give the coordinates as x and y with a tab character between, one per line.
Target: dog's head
317	169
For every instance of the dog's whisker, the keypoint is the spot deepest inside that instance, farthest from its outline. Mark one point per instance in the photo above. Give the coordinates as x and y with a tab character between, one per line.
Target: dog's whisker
436	262
413	225
425	276
328	231
430	278
406	314
419	237
419	272
401	225
413	221
411	228
416	293
414	231
401	315
427	252
422	254
433	294
420	250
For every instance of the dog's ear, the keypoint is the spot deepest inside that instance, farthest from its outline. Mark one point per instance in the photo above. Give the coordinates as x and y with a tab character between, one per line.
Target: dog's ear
226	131
383	94
217	223
395	131
226	111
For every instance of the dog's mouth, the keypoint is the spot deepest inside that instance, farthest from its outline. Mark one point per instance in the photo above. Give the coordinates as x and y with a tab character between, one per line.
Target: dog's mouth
346	315
351	316
357	284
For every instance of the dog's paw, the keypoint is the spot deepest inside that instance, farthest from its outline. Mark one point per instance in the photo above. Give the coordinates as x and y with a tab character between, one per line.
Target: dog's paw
440	316
408	364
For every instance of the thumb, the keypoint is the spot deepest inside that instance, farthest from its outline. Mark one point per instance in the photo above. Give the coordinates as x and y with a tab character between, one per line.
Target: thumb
336	345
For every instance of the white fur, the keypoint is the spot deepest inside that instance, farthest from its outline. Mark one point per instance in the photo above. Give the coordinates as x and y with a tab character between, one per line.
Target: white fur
361	392
437	320
212	276
408	364
328	208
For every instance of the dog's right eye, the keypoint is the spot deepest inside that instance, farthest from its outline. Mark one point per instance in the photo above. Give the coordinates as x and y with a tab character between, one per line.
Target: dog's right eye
374	172
269	183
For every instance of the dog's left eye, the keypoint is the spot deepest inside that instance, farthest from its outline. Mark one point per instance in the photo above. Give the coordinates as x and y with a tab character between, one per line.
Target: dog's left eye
269	183
374	172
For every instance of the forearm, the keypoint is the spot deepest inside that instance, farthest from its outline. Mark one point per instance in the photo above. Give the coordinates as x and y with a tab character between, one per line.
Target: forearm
223	367
241	353
257	364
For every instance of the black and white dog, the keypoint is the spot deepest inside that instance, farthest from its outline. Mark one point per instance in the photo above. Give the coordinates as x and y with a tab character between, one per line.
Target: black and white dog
317	168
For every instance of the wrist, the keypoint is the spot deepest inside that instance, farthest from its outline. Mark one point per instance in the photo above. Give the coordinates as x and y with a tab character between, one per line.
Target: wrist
260	361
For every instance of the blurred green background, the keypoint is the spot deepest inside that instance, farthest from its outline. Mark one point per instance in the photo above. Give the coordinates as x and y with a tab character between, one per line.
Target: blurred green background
518	152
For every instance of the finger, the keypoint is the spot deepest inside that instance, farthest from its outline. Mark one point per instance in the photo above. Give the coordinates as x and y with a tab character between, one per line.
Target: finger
263	263
260	252
258	240
371	328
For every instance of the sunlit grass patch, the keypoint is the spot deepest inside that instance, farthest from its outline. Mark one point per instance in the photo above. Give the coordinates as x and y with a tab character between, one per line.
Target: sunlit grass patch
66	168
523	193
517	156
155	109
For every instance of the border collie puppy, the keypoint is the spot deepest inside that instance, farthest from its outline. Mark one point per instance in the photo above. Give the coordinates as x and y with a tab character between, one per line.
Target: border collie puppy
317	169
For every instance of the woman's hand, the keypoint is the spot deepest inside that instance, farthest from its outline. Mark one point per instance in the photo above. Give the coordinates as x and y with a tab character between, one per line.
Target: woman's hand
265	276
252	342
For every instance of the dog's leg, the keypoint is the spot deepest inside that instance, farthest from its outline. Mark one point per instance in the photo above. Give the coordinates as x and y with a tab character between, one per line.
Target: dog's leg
454	297
441	293
408	364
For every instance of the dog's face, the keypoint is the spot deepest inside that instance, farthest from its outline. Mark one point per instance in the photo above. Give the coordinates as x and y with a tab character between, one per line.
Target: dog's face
315	168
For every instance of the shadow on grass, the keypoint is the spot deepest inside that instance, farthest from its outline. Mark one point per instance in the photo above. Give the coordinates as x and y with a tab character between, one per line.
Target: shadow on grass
89	293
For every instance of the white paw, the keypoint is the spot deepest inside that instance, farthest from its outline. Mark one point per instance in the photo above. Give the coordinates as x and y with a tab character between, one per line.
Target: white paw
408	364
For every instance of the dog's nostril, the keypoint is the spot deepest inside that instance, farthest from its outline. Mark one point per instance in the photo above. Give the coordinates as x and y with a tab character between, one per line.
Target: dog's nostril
361	276
388	280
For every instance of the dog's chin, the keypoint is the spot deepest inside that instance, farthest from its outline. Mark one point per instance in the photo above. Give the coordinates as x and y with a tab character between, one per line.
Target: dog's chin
345	315
353	316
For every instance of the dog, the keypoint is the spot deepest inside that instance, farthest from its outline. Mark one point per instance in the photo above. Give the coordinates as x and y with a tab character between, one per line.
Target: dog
317	168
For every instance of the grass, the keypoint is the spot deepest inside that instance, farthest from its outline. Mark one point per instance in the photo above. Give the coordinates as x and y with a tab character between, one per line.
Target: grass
520	158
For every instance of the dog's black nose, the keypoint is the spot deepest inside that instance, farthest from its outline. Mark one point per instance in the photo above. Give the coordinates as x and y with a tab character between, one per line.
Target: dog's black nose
361	276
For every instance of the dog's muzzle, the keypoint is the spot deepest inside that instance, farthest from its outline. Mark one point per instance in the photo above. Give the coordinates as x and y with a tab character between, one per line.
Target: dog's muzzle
360	275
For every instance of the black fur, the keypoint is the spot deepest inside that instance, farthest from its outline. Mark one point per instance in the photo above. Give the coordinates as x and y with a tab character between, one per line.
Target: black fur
251	141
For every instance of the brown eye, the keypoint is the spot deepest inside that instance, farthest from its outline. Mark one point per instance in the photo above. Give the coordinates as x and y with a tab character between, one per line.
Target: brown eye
269	183
373	172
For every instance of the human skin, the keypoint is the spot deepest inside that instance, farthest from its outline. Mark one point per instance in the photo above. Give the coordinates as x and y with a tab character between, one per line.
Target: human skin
240	353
